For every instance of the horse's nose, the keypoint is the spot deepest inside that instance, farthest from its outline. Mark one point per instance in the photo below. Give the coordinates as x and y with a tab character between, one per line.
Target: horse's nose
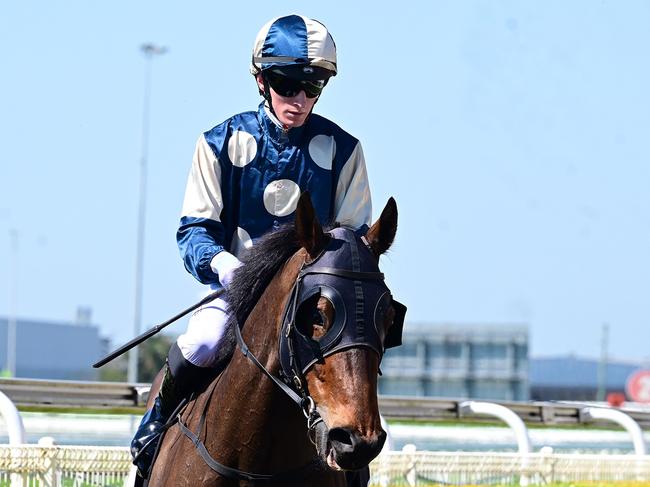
353	451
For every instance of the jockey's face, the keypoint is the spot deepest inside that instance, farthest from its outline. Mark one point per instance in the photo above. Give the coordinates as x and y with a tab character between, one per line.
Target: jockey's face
292	111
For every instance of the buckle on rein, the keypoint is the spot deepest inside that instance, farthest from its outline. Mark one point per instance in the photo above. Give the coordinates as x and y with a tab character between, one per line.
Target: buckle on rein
313	418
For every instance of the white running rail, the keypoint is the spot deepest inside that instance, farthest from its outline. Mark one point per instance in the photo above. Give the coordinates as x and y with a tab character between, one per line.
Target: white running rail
512	420
503	413
14	422
618	417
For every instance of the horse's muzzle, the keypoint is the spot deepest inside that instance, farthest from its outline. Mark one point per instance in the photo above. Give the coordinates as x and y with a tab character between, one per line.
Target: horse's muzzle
350	451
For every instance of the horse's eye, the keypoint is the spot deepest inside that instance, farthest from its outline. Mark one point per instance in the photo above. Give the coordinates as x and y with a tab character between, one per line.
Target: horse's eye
318	318
311	322
312	319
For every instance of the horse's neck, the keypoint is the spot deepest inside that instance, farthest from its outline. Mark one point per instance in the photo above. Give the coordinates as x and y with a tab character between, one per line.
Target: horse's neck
258	417
261	331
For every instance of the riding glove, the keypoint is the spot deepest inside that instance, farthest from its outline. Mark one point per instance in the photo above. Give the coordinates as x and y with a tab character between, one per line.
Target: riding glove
224	265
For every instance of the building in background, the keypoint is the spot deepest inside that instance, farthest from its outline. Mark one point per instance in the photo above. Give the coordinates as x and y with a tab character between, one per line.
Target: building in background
51	350
569	378
459	361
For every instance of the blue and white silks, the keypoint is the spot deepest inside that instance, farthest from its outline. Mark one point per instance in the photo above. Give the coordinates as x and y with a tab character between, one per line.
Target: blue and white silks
247	175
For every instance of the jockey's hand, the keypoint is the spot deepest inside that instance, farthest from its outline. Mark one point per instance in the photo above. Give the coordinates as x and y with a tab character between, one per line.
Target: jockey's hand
224	265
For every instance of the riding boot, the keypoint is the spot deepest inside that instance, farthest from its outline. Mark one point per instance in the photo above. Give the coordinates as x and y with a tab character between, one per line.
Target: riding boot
180	380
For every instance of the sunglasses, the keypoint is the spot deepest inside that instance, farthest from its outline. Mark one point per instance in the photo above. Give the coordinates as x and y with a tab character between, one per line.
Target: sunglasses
290	87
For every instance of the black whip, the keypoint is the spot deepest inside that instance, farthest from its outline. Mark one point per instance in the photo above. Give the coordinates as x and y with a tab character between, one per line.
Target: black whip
152	331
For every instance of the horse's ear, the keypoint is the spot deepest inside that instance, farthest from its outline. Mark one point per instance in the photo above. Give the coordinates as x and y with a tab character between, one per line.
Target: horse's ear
308	228
382	233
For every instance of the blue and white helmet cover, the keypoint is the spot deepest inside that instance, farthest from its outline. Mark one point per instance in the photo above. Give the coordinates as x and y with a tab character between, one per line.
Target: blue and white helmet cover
293	40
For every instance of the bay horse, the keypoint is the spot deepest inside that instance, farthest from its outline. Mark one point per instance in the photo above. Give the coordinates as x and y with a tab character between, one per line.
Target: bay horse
299	406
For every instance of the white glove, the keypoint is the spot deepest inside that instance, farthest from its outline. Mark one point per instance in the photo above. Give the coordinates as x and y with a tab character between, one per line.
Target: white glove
224	265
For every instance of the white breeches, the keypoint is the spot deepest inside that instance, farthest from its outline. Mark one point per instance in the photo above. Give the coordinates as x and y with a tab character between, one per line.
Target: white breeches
205	331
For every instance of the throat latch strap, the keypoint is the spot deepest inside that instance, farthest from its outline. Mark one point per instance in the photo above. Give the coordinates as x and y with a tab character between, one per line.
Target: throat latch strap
247	353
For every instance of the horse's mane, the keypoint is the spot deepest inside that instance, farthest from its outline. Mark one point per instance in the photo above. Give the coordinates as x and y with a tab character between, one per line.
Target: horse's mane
261	263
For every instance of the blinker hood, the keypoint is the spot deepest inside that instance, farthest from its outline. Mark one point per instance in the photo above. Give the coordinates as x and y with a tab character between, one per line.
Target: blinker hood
346	274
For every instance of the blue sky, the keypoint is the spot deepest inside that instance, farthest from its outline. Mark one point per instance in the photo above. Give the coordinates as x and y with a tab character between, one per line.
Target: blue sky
513	135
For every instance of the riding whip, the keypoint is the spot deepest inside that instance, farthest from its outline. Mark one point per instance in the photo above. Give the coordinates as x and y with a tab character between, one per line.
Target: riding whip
152	331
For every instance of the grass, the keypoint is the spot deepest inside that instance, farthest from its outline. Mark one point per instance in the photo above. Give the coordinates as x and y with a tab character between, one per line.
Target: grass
593	483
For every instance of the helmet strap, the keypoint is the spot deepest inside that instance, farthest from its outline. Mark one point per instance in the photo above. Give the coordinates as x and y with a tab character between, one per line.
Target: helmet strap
267	95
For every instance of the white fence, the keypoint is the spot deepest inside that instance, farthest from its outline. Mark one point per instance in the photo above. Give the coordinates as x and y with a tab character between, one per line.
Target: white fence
445	468
69	466
74	466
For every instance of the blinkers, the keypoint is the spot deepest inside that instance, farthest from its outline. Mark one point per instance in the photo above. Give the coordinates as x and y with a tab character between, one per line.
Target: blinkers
345	273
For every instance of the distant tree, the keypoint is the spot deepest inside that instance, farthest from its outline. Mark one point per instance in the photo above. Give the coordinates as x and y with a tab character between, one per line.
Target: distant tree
153	354
115	370
151	358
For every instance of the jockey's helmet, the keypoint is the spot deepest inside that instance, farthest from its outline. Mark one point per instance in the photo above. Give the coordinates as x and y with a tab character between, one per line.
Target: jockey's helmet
295	46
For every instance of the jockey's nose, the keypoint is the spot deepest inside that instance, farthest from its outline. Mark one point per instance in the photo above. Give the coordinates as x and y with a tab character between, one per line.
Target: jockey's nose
353	451
300	98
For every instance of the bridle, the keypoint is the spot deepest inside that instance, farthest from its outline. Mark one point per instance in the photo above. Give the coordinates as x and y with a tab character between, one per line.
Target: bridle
347	274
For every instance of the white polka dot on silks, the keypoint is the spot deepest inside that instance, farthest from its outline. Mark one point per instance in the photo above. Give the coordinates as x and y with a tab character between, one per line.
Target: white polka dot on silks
241	241
281	197
322	149
242	148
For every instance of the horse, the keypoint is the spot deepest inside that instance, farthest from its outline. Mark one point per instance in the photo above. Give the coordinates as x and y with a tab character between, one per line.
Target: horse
299	405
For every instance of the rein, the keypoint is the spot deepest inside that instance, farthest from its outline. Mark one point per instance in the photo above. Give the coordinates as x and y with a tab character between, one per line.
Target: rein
233	473
305	403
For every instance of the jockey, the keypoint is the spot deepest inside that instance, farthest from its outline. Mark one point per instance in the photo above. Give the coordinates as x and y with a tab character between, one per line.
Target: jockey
246	177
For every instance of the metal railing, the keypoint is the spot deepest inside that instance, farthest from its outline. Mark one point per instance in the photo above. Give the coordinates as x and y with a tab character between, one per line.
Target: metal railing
74	394
116	395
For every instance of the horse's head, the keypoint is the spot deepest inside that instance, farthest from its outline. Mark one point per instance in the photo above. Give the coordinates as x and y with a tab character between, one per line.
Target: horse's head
339	320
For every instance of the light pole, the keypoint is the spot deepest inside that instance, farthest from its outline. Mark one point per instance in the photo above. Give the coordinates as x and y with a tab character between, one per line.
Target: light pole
149	51
11	319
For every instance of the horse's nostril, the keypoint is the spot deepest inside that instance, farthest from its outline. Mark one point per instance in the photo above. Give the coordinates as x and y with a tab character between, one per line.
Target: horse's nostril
341	436
351	450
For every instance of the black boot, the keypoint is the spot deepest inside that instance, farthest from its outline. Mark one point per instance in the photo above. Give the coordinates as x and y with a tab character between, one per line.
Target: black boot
148	433
180	380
